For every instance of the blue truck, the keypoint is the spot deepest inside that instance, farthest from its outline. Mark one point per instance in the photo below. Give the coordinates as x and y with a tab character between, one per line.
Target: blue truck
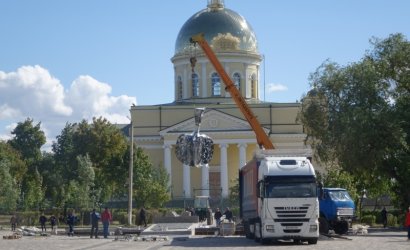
336	210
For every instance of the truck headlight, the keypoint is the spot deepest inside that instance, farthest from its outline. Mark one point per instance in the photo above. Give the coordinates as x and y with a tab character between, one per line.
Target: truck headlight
270	228
313	228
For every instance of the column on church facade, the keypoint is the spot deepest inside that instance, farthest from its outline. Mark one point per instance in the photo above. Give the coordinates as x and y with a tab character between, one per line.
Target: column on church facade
242	154
205	180
167	161
204	79
187	181
224	169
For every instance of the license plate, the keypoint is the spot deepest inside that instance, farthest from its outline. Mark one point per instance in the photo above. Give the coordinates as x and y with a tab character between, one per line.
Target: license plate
291	227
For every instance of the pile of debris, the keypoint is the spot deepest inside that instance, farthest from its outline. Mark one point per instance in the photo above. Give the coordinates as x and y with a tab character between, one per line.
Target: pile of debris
12	237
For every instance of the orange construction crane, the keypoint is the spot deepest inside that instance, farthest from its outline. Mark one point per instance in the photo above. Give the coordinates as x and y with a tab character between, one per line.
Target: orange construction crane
261	137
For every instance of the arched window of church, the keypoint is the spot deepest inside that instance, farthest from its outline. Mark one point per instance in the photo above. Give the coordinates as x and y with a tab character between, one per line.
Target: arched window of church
195	85
253	86
179	88
237	80
216	84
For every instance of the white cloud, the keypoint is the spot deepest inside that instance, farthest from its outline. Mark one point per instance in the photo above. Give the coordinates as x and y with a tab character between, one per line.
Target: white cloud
275	87
33	92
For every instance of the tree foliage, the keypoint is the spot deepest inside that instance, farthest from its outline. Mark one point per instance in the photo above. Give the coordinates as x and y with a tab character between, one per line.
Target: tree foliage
28	140
88	166
9	190
358	116
150	185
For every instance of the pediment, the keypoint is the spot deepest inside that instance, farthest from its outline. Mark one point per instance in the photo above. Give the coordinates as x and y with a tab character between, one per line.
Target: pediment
212	120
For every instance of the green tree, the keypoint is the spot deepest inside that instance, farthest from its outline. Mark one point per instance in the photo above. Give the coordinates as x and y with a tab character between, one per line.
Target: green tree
106	147
33	194
80	191
12	171
357	116
17	166
234	194
9	190
28	140
150	185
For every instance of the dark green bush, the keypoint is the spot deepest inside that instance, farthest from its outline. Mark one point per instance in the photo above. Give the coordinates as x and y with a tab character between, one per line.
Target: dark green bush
369	219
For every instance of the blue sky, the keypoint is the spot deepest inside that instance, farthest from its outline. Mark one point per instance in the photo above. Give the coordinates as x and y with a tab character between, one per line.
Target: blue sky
62	61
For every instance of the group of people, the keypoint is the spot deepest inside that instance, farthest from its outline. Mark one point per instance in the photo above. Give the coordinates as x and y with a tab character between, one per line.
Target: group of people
218	215
106	218
95	217
43	221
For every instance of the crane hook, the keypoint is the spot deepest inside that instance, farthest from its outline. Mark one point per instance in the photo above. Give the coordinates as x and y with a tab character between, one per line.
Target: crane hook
193	62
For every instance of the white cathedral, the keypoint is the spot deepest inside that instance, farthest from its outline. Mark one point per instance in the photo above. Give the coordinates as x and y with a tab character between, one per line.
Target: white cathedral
157	127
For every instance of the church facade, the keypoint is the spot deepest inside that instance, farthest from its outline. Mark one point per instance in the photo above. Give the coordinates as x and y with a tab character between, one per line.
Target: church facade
157	127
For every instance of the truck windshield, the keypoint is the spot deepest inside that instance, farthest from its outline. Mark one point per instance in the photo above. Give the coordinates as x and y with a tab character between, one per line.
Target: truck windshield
339	195
290	187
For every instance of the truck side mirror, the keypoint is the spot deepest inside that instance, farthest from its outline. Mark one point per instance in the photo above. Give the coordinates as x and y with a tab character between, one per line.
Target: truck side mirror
260	189
321	192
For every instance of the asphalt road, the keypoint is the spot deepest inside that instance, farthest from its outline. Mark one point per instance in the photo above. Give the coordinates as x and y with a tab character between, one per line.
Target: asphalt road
373	240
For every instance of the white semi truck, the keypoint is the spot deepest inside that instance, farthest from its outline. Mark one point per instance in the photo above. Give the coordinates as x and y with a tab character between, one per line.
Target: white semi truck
278	198
278	194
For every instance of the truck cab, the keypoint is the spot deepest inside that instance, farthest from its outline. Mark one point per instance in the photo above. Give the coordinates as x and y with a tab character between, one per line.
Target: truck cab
336	210
278	198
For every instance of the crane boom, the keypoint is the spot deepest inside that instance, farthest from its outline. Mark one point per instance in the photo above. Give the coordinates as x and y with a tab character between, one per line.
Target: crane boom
261	137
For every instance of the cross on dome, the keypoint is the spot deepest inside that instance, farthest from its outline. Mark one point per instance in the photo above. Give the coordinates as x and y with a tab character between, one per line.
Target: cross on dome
215	4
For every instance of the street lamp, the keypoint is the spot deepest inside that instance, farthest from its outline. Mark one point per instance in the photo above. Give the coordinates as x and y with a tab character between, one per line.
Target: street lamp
130	172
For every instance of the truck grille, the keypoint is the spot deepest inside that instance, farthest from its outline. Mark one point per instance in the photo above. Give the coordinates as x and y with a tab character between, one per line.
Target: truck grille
345	211
291	218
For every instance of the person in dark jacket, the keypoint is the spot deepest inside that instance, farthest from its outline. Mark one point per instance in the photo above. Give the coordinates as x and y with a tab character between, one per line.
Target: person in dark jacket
95	217
228	214
43	220
143	217
384	217
218	216
53	222
13	222
70	222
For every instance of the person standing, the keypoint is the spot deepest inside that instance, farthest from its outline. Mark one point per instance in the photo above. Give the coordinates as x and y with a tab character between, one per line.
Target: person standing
407	223
70	222
143	217
384	217
106	218
95	217
228	214
218	216
53	223
13	222
43	220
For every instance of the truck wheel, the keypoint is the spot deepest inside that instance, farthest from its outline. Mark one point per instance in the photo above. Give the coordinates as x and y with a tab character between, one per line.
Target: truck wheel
257	235
246	228
323	226
252	230
312	242
342	227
